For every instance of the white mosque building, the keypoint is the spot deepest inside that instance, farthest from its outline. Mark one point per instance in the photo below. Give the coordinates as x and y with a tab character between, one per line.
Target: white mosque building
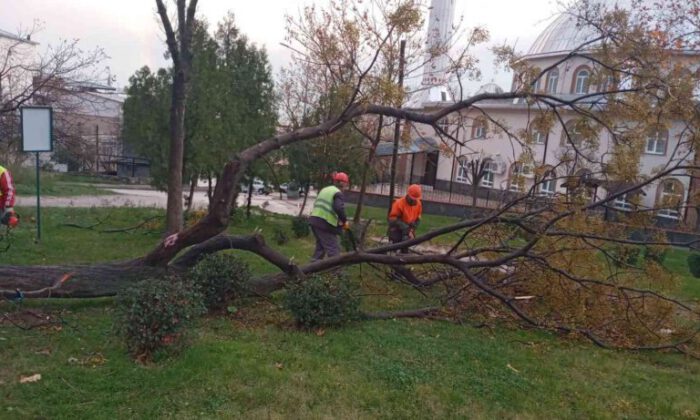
427	161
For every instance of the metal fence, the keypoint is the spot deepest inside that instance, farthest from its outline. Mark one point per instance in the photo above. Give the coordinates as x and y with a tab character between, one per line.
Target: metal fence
486	198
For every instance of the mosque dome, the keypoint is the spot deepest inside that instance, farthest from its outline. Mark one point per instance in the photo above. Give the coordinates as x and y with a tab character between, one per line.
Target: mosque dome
565	33
489	88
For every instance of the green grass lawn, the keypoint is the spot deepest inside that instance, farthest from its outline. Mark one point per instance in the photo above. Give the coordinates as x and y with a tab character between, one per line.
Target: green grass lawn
56	184
254	364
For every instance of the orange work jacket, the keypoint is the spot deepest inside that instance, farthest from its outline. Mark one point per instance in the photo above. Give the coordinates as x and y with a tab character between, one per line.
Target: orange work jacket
404	212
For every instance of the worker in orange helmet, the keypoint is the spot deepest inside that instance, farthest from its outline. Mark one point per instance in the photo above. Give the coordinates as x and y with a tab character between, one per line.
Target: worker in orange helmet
405	215
328	217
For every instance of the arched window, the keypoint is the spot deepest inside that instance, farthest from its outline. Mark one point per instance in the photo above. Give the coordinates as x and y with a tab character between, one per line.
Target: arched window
552	81
518	172
479	128
669	198
489	171
548	184
462	170
538	137
657	141
624	202
607	84
581	81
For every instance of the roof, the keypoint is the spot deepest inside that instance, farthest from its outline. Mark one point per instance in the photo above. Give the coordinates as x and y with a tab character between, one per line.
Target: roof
566	33
88	85
416	145
9	35
561	36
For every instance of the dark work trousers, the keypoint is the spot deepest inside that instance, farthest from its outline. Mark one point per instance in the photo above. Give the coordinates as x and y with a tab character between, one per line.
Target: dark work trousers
326	243
396	235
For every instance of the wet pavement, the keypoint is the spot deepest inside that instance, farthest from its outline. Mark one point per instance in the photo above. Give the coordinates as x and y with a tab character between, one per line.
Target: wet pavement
130	197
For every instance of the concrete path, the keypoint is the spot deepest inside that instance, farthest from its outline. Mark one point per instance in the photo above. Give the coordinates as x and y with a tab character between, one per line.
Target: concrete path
130	197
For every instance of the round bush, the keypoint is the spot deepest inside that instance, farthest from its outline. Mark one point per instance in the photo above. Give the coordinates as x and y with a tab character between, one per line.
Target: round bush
625	255
694	264
220	278
322	301
656	254
154	313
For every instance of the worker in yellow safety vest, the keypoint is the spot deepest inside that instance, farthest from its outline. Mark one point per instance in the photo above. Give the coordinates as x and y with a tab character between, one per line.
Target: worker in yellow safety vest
328	217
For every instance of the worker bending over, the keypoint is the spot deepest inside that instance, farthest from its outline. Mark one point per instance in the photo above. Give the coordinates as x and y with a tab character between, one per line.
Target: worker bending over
405	215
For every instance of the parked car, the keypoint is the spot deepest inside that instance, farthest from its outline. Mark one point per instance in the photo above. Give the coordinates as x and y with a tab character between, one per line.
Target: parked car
285	186
259	187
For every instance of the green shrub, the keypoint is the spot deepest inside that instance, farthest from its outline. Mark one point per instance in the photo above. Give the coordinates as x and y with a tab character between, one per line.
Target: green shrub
280	236
220	278
300	227
694	264
656	254
154	314
625	255
322	301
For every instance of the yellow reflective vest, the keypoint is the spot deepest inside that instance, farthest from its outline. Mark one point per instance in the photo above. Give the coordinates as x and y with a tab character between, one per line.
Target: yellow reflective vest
323	207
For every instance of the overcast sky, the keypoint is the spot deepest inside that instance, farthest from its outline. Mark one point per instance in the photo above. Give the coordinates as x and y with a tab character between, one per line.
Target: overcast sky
129	31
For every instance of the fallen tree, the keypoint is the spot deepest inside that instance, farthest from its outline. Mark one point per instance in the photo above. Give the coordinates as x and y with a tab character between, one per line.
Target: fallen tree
553	263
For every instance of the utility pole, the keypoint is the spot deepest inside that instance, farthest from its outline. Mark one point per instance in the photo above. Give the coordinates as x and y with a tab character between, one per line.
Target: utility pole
397	131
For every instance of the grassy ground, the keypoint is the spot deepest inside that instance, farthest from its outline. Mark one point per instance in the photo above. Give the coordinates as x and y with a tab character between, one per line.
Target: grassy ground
254	364
55	184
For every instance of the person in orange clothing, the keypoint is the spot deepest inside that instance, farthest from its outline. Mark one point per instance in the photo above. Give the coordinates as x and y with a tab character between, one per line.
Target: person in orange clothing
405	215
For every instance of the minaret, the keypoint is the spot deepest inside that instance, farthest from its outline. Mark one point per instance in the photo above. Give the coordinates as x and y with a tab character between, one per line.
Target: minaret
440	31
433	86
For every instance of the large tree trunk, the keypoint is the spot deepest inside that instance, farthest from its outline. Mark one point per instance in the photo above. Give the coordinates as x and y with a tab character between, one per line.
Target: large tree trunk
78	281
174	216
179	46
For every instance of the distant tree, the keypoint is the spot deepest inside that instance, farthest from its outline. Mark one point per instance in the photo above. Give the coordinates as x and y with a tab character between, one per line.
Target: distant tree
145	125
230	105
26	74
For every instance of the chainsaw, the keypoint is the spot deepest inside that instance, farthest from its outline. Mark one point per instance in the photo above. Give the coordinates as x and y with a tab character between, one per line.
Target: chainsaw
10	219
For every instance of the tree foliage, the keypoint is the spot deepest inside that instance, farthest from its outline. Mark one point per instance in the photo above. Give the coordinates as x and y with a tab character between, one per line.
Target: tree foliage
230	104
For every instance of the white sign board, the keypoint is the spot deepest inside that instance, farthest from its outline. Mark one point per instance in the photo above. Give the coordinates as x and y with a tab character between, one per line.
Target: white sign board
37	129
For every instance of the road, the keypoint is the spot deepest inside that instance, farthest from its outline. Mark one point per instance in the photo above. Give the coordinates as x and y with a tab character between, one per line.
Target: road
129	197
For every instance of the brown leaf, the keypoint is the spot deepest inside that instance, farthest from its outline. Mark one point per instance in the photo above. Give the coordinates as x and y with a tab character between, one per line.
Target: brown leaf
320	332
29	379
279	365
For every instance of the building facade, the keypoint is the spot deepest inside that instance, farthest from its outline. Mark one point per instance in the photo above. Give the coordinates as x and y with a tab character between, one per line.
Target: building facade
519	158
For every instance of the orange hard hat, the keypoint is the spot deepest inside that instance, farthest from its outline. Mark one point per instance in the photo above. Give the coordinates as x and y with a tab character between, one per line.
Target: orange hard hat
414	191
341	177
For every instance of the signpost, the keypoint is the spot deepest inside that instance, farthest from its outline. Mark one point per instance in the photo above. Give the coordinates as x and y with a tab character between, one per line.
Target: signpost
37	136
